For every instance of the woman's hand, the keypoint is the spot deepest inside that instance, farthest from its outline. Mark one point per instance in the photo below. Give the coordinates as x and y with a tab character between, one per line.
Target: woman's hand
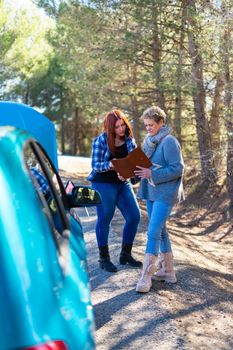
121	177
143	173
111	166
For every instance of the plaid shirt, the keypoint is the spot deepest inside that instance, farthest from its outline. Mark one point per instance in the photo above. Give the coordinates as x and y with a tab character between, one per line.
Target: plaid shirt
101	154
41	180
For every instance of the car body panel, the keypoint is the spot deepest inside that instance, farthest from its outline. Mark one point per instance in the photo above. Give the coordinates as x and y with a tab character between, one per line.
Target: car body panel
43	295
27	118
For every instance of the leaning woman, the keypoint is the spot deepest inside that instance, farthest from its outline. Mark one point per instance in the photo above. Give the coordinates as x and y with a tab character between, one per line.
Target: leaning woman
160	186
115	142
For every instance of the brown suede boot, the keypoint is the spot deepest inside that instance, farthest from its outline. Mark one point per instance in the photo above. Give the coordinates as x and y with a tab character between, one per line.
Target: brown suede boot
144	284
166	272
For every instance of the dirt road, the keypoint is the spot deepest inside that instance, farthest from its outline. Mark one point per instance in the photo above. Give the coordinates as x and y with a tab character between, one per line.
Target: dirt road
195	313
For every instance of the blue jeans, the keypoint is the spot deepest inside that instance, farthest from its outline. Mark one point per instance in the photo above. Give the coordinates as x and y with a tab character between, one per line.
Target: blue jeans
121	196
158	238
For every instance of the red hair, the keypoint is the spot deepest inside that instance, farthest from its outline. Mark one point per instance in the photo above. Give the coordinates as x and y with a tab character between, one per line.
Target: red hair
109	126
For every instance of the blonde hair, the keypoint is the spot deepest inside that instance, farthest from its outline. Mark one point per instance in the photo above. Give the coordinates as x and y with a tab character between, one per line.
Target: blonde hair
154	113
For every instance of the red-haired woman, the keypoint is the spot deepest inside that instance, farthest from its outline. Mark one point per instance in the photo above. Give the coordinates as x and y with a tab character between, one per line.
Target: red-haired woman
115	142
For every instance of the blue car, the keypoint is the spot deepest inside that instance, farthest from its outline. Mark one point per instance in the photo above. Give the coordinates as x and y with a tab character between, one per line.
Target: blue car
44	290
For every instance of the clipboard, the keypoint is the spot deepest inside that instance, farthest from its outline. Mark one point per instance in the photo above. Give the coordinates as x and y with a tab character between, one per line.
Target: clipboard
126	166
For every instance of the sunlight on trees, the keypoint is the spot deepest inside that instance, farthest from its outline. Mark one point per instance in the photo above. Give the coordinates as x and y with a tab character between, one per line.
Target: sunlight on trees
27	57
77	59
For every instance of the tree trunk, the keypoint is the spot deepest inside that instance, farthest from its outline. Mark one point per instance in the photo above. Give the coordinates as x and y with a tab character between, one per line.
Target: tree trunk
178	99
208	170
215	123
132	78
27	94
75	131
228	114
62	133
136	126
156	54
62	124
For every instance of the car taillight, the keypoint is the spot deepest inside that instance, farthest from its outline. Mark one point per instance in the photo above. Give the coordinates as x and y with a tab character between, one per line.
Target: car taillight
51	345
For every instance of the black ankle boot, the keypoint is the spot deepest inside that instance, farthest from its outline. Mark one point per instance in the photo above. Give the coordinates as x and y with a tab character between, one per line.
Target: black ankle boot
126	257
107	265
104	260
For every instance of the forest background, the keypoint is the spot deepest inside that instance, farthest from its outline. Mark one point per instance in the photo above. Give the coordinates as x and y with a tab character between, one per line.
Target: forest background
75	60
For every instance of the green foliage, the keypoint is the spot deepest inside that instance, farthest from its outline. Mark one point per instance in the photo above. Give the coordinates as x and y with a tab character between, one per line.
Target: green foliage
88	56
26	51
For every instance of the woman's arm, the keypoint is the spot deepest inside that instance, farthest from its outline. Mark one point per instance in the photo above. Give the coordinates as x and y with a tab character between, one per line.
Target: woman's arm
99	149
173	158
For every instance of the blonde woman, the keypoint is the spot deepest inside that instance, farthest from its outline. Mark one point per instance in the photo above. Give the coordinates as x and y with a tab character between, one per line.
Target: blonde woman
160	186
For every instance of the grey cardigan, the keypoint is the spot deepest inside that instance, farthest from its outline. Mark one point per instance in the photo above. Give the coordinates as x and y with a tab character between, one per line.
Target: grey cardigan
165	184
